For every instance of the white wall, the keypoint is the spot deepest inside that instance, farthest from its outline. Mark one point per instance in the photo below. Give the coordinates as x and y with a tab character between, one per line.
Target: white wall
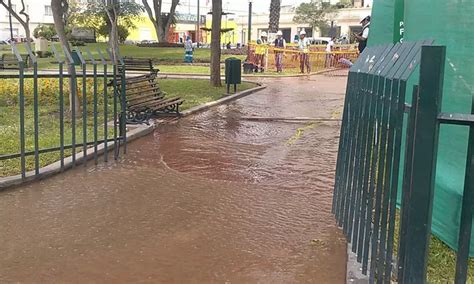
35	9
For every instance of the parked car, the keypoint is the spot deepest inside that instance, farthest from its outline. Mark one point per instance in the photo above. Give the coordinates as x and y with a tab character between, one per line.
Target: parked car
147	41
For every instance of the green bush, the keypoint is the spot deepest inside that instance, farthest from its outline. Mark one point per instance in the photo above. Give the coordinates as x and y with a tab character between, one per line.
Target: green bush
44	54
77	43
46	31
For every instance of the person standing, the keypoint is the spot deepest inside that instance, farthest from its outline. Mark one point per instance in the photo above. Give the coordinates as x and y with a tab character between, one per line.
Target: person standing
260	51
280	45
188	50
364	35
329	54
303	47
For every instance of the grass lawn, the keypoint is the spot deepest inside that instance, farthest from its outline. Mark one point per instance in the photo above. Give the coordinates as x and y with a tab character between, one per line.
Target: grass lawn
161	55
168	60
184	69
196	69
194	92
441	259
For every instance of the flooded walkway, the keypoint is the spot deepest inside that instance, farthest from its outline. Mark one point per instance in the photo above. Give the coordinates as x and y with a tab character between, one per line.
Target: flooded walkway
213	198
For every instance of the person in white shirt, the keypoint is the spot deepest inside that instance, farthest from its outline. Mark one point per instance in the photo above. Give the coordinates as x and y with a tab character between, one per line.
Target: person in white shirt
364	35
329	55
188	50
303	47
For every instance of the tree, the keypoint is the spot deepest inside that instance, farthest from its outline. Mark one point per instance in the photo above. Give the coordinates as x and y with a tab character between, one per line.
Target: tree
44	31
101	16
161	21
274	21
316	13
216	43
59	9
24	22
122	31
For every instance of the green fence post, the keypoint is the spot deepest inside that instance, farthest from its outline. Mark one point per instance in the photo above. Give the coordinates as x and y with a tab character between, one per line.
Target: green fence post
105	98
466	213
61	104
421	185
21	102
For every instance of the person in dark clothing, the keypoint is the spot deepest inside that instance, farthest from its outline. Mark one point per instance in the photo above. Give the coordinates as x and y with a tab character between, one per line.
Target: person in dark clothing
364	35
280	45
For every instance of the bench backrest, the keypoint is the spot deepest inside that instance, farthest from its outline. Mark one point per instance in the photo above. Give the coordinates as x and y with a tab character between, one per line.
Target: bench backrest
139	64
141	87
9	61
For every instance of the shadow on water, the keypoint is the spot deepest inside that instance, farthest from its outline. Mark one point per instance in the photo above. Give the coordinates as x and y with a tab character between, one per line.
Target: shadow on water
207	199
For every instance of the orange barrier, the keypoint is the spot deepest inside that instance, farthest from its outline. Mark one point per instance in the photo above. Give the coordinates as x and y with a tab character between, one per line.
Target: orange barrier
264	57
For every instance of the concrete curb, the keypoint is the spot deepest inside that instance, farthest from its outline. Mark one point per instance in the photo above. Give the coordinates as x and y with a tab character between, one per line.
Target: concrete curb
133	134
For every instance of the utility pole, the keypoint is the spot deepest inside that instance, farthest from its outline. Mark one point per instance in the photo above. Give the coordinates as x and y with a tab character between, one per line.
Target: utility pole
250	23
10	19
198	23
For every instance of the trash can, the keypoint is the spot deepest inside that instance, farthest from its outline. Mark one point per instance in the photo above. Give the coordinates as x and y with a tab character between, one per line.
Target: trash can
233	73
75	57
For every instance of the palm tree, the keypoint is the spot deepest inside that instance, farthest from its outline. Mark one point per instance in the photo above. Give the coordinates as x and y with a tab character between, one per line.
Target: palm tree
274	23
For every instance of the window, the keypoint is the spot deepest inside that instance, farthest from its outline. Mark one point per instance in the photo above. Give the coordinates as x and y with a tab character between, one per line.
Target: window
47	10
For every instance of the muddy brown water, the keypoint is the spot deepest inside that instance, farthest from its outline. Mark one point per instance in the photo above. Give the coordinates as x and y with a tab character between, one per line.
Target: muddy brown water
212	198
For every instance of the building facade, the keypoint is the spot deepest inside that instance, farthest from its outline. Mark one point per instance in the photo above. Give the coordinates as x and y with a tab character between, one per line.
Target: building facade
345	22
236	26
39	11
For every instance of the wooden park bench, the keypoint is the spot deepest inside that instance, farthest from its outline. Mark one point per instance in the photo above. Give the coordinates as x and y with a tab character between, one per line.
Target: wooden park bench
9	61
145	99
139	64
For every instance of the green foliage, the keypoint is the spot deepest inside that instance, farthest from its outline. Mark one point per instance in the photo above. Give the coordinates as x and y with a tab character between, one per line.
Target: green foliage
317	13
344	4
95	16
123	33
77	43
44	54
48	89
45	31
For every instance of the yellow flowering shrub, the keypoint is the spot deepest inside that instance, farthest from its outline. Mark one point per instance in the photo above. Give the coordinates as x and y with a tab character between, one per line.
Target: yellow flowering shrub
48	91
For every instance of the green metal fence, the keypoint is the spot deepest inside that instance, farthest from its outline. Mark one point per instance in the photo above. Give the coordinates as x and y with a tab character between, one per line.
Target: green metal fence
373	164
84	132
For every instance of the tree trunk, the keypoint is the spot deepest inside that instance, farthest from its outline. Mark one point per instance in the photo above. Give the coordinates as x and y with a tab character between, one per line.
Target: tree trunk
274	21
160	33
58	8
169	19
216	43
162	26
